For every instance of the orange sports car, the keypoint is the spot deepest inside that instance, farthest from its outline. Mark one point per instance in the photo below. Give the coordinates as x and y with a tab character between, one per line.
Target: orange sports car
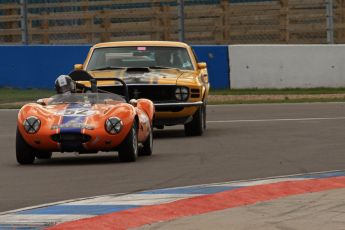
85	123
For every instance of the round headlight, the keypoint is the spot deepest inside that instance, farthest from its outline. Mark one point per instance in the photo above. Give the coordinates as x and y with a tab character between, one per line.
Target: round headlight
181	93
113	125
32	125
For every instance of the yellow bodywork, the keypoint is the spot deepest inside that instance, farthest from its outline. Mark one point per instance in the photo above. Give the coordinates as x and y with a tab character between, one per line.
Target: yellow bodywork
193	79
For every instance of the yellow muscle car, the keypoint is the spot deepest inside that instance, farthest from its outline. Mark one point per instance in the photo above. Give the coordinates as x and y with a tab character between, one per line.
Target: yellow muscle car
165	72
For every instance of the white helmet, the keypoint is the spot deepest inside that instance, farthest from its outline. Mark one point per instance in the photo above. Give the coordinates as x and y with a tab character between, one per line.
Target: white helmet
64	84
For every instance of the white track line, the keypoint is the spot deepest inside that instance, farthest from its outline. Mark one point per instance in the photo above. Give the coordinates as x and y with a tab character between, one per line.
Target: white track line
280	119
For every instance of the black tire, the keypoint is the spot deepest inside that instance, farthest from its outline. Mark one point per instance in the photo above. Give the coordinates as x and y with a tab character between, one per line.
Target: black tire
25	153
128	150
43	155
197	126
147	148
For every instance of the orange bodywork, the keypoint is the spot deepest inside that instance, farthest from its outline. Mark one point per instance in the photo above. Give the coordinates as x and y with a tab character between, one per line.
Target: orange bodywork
56	121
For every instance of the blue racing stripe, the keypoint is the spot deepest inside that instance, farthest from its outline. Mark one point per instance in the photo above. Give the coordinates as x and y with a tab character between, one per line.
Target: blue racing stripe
72	119
19	227
77	209
321	175
192	190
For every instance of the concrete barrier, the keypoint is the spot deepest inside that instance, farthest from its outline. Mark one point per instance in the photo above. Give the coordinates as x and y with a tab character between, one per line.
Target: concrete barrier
287	66
38	66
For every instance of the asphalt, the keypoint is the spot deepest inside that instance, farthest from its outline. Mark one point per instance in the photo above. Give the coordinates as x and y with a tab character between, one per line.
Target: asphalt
242	142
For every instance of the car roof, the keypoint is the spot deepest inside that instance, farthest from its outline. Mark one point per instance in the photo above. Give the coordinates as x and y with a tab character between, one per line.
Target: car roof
141	43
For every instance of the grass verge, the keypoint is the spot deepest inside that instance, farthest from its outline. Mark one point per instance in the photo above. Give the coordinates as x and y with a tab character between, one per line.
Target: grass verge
287	91
8	95
16	98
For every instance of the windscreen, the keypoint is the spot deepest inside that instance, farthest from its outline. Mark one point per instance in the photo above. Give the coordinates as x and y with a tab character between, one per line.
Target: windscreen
140	57
84	98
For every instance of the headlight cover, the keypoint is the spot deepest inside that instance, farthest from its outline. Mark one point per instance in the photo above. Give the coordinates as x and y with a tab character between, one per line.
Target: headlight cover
181	93
113	125
32	125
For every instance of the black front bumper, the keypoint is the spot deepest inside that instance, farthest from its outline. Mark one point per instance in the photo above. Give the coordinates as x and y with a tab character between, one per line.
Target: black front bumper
172	121
175	106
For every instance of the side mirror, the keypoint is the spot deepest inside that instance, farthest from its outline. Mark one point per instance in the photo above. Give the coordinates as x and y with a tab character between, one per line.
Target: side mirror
78	66
43	101
202	65
133	102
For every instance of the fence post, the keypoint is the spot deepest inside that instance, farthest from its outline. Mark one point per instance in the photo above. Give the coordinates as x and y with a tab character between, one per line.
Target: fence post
180	12
106	22
155	24
330	24
10	25
340	15
166	23
45	27
88	22
224	4
24	21
284	21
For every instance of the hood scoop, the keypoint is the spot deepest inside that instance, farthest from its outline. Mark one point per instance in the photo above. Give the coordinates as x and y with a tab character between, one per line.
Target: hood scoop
137	70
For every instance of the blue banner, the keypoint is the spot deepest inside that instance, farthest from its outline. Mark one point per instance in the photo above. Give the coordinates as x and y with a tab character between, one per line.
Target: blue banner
39	66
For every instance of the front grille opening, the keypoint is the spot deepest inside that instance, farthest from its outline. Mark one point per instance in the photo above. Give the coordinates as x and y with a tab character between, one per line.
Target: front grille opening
195	93
71	137
169	109
156	93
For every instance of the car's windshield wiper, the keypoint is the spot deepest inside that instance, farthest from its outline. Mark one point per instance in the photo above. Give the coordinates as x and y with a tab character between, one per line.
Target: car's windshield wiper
162	67
108	68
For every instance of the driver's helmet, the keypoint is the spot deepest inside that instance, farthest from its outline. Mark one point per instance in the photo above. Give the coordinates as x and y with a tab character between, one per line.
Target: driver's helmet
64	84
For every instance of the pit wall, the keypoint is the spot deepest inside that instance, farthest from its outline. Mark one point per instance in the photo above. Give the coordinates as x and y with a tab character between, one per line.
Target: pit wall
39	66
234	66
287	66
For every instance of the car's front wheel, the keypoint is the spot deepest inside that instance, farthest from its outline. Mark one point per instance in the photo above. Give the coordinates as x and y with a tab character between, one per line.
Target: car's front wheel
25	153
128	150
197	126
147	148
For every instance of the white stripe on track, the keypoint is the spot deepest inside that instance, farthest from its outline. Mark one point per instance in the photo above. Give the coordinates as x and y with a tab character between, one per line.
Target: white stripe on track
279	119
134	199
42	219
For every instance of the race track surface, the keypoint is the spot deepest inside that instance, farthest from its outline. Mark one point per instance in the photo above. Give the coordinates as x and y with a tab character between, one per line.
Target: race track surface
242	142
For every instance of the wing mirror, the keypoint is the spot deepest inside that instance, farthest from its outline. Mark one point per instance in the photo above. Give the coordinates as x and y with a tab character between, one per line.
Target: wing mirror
43	101
78	66
133	102
202	65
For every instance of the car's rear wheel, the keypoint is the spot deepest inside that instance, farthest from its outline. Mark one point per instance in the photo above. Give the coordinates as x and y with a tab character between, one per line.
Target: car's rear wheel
25	153
43	155
128	150
197	126
147	148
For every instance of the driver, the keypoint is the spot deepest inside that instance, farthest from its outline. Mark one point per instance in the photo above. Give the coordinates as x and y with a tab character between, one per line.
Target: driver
65	85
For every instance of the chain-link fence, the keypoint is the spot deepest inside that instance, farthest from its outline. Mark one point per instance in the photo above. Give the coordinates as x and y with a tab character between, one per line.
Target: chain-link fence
201	21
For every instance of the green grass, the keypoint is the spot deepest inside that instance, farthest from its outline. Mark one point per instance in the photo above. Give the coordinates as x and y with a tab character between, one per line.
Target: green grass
8	95
308	100
11	98
296	91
